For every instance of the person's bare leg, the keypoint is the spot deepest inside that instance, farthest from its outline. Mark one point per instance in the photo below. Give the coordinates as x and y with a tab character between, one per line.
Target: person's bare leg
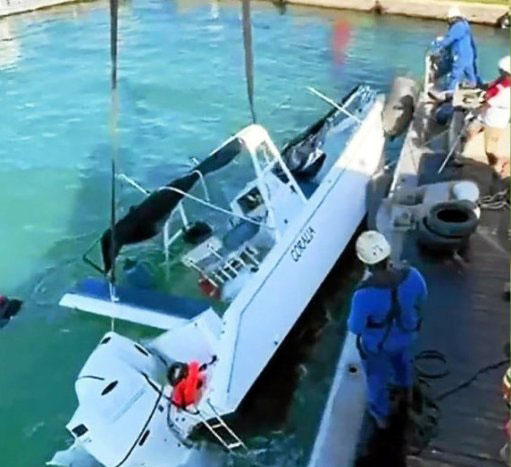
473	130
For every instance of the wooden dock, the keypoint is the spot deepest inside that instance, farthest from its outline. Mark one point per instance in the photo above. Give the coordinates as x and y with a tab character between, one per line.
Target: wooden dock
467	319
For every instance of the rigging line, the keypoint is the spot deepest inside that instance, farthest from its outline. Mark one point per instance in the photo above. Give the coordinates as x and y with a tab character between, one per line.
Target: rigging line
114	9
249	56
333	103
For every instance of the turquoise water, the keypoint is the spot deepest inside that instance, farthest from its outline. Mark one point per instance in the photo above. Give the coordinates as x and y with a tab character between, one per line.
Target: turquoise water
182	93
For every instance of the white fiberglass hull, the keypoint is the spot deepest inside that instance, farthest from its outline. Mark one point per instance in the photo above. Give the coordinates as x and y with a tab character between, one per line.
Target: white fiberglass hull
263	313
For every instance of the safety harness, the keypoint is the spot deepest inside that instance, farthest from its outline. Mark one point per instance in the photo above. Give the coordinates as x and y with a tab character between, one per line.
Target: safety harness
386	279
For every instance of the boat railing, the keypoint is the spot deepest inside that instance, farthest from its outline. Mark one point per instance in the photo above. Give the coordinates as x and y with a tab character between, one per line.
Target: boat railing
167	239
334	104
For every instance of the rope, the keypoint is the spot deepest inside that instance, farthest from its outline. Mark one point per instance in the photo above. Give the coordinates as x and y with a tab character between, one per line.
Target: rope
469	381
114	10
495	202
249	57
425	420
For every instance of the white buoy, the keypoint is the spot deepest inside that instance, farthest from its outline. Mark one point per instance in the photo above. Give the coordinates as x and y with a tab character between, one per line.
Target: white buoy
467	191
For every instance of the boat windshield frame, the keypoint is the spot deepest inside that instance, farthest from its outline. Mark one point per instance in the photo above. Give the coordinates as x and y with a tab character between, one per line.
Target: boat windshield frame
253	139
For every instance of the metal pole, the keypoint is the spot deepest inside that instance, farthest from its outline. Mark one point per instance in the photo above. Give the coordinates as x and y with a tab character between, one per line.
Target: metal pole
333	103
451	151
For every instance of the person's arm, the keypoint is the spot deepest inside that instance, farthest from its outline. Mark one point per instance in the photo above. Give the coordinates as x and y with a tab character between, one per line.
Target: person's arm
455	33
492	90
356	319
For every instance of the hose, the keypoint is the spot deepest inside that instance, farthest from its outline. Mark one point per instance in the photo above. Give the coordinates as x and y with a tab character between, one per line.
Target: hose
425	420
469	381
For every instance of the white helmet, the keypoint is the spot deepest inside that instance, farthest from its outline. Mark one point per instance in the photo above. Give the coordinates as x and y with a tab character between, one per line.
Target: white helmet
505	64
372	247
454	12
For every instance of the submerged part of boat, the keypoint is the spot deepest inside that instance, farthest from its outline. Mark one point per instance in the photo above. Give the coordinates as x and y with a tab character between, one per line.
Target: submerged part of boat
146	220
264	239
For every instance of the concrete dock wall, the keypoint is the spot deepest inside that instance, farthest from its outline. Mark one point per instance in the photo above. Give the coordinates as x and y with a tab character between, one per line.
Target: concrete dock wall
13	7
430	9
481	13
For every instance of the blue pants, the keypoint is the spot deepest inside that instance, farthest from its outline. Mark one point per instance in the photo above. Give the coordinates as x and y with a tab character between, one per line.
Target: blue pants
462	71
384	368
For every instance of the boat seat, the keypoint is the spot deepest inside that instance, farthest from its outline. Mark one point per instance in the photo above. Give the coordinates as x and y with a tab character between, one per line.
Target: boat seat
238	235
148	307
308	187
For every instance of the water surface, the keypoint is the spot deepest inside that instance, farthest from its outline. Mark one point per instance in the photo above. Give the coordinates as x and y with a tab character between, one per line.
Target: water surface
182	93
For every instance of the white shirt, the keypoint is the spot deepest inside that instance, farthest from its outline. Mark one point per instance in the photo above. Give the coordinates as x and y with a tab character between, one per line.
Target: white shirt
498	113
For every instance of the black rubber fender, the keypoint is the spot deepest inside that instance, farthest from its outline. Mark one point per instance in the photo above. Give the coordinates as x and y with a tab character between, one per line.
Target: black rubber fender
399	106
436	242
452	219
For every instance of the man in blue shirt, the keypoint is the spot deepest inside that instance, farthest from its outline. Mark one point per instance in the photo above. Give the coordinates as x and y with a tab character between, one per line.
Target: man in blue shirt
459	43
385	317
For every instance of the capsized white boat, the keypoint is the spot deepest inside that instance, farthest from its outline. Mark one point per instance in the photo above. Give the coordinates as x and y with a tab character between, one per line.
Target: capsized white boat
260	257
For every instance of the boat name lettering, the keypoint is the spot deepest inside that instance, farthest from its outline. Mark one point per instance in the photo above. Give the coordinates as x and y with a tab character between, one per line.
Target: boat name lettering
301	245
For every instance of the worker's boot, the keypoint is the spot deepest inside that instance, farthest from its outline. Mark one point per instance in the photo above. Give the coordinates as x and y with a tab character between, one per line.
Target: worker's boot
440	96
401	398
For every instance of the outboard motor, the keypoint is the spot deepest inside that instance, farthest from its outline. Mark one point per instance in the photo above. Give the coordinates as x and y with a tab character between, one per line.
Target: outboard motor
400	105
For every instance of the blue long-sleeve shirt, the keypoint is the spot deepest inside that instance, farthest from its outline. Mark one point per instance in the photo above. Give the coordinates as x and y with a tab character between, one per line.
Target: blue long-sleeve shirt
373	303
460	42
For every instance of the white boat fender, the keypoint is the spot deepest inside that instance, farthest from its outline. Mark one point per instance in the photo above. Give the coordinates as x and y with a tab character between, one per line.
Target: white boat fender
467	191
399	107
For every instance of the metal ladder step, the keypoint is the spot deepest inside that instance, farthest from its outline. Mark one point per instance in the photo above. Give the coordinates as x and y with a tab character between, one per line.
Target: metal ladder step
230	444
234	445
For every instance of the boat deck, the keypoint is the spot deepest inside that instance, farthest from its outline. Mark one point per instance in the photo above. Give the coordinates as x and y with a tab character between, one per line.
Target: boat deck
467	320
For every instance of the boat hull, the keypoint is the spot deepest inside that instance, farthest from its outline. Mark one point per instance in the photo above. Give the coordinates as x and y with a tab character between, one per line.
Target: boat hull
264	312
266	308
